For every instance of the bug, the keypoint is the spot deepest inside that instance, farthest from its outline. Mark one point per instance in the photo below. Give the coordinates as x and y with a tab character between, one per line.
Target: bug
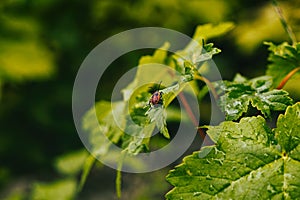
156	98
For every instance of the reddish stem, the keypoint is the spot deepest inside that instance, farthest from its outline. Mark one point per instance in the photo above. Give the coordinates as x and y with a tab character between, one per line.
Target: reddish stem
209	84
189	111
287	77
191	114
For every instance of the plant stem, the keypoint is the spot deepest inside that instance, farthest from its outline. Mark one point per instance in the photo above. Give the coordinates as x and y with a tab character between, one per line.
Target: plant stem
284	22
119	174
209	84
287	77
87	166
189	111
191	114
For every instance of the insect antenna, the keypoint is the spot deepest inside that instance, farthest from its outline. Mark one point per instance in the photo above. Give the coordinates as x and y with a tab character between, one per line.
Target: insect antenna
155	87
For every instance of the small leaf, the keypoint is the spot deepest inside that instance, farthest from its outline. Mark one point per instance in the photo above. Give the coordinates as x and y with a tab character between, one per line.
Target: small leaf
236	97
205	56
245	163
209	31
197	52
71	164
283	59
239	78
158	115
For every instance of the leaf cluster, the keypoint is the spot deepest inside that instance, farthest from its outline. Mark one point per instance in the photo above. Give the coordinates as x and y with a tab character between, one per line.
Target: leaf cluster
248	161
246	154
136	95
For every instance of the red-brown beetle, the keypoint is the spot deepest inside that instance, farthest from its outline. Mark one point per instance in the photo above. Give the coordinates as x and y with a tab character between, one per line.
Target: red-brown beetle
156	98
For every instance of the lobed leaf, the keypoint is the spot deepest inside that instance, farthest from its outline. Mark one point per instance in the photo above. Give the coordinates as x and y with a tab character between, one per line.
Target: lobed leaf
247	162
197	52
283	59
237	96
158	115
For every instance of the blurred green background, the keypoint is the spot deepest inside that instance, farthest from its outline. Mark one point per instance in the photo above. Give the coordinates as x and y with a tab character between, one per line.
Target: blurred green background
42	45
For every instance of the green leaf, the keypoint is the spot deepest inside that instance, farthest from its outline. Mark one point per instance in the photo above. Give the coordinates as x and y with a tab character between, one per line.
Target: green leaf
150	70
104	126
288	129
22	55
158	115
197	52
283	59
239	78
208	31
63	190
237	96
71	164
247	162
23	60
141	119
159	55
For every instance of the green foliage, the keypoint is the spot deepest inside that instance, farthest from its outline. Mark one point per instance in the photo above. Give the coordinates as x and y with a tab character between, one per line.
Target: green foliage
287	132
248	161
114	123
103	126
208	31
71	164
244	152
136	95
64	189
16	195
197	52
284	58
158	115
238	95
23	57
152	12
41	38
